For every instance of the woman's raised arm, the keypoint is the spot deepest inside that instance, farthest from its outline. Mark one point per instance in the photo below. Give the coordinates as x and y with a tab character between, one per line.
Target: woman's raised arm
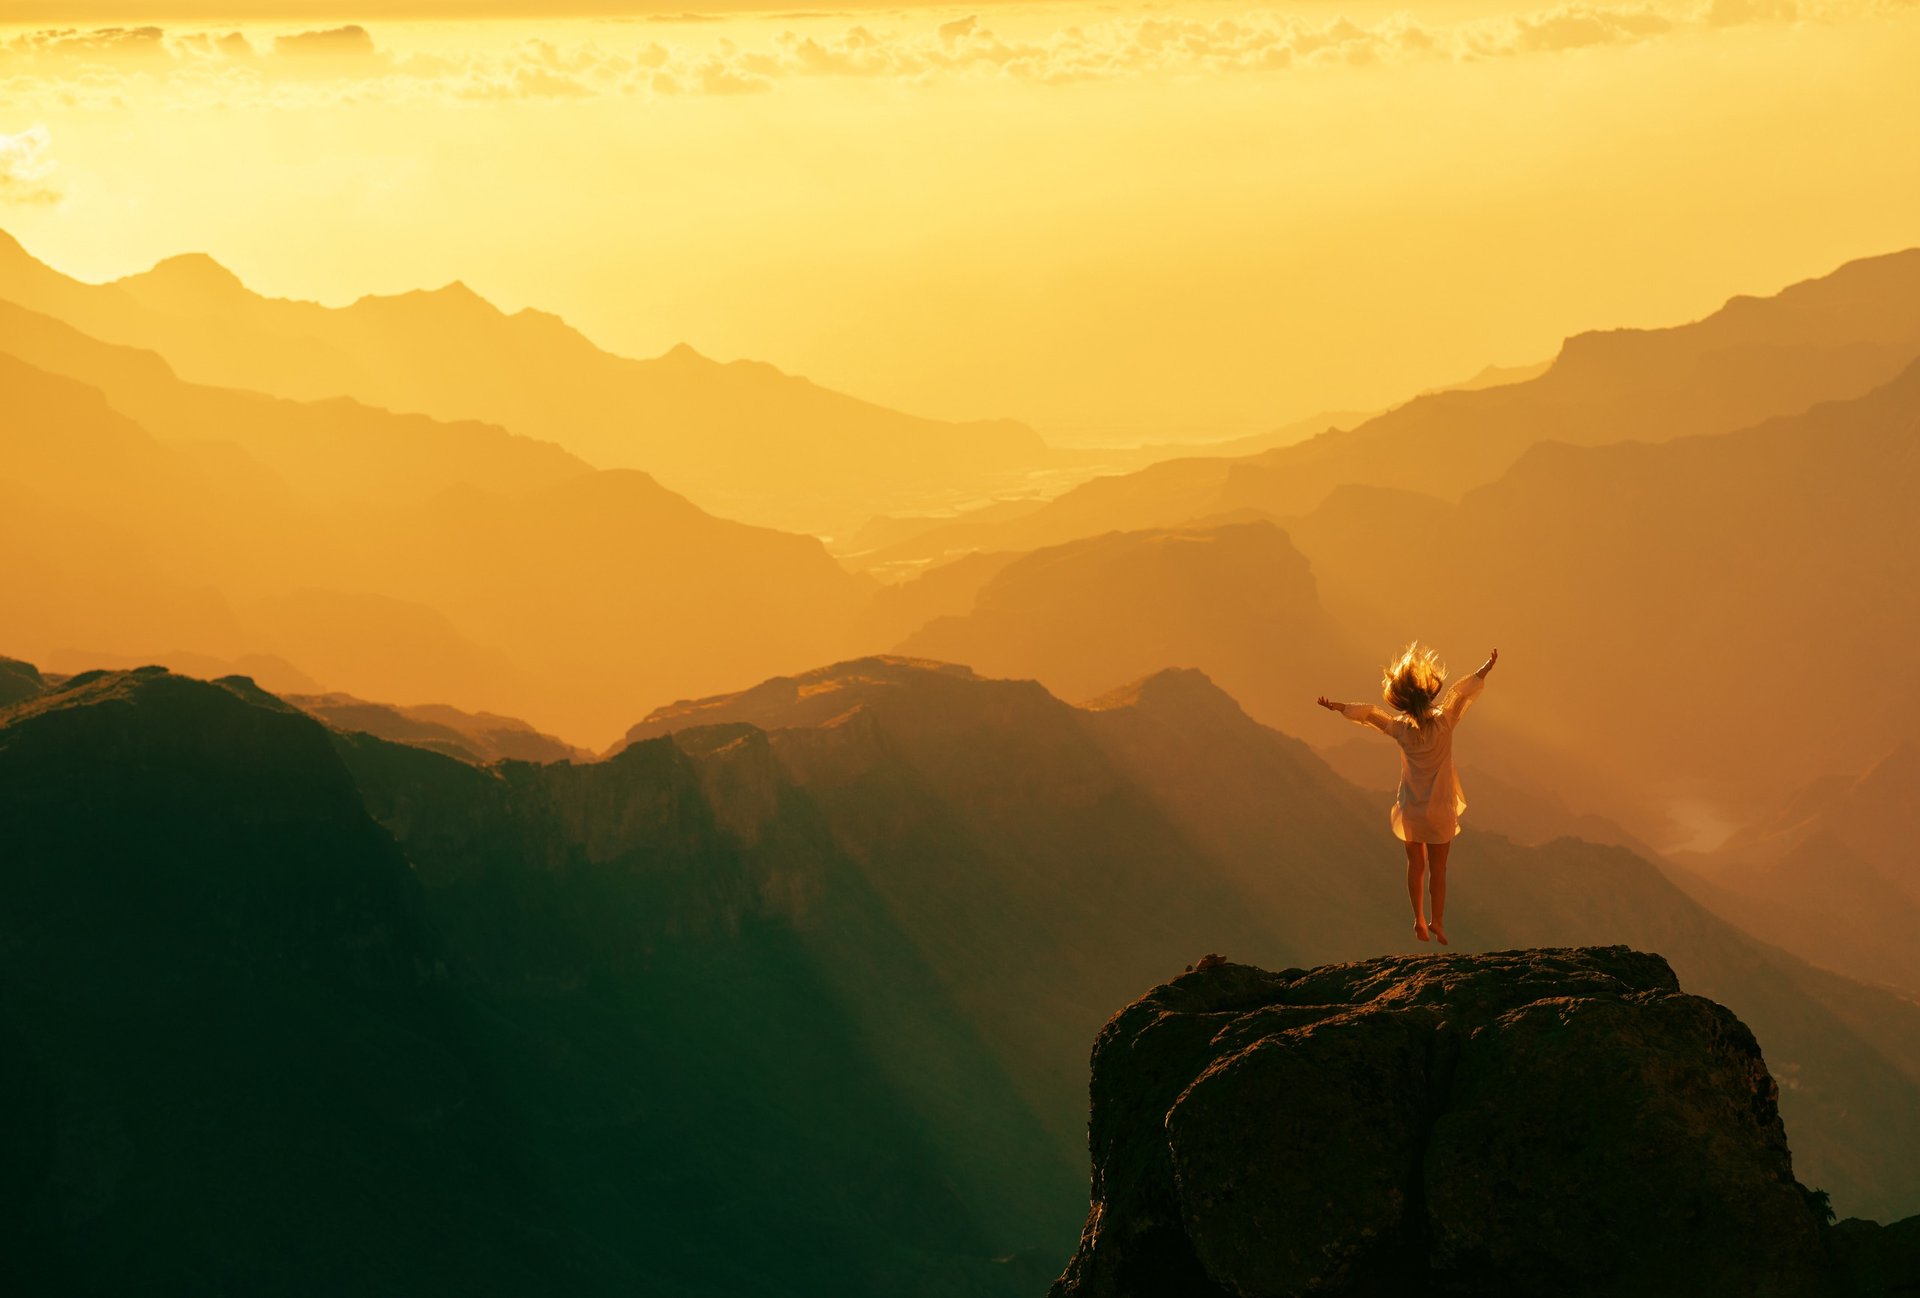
1363	714
1463	691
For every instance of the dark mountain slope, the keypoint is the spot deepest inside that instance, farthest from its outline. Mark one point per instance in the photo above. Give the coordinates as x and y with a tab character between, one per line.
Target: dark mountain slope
703	994
581	1038
229	1048
1027	869
789	996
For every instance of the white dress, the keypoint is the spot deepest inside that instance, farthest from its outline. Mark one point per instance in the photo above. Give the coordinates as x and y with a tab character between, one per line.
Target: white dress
1429	802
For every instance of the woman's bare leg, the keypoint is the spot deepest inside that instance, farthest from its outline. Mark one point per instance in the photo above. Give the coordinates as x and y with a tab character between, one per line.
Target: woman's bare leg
1416	881
1437	867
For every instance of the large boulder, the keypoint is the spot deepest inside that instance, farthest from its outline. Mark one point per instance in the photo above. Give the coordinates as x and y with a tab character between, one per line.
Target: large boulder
1526	1122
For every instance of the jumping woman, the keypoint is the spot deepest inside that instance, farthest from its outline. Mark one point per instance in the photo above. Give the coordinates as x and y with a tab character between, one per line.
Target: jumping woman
1426	811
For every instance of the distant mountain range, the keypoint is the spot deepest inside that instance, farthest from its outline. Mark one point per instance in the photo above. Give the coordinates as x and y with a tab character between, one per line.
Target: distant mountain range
1833	876
740	437
1662	574
791	995
1825	339
384	555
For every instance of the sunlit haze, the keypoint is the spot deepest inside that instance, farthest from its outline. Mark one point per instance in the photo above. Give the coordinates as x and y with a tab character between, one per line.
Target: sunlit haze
1113	222
1088	650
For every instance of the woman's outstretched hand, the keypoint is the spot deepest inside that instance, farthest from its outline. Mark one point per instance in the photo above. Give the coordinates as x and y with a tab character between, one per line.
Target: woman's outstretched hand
1492	658
1327	703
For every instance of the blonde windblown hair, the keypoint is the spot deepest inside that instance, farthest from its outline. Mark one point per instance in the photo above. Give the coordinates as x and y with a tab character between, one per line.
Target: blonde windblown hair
1413	681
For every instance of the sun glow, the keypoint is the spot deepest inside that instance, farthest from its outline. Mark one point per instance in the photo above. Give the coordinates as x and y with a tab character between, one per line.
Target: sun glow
1114	223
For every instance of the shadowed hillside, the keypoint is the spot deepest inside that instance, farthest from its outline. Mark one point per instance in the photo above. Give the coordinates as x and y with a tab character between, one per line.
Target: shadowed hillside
580	1038
223	1021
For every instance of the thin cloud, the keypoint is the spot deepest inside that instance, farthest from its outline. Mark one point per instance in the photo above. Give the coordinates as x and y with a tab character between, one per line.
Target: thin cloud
349	42
349	63
26	168
1575	27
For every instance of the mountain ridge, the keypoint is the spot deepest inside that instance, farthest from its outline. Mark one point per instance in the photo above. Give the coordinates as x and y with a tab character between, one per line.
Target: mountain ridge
743	438
1752	359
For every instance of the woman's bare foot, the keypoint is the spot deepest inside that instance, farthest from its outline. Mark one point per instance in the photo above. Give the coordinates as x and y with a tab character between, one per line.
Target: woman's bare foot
1440	934
1420	929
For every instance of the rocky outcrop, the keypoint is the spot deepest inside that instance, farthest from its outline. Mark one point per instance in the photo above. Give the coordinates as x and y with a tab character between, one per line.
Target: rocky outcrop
1526	1122
18	681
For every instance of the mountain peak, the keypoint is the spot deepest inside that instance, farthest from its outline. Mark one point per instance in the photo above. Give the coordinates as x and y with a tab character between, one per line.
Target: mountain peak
684	354
457	290
454	296
1184	692
193	272
819	696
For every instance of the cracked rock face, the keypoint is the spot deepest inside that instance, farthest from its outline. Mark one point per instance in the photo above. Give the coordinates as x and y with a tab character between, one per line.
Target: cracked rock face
1548	1121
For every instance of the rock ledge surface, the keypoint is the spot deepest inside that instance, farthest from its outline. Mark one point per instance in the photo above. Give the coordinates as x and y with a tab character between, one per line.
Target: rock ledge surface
1524	1122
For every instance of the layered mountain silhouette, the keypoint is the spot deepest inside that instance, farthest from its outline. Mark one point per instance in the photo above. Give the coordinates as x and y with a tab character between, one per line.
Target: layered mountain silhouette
791	994
1663	590
338	449
1239	602
740	437
431	563
1825	339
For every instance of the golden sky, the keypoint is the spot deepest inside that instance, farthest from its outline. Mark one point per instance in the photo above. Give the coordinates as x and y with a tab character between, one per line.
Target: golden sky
1113	221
